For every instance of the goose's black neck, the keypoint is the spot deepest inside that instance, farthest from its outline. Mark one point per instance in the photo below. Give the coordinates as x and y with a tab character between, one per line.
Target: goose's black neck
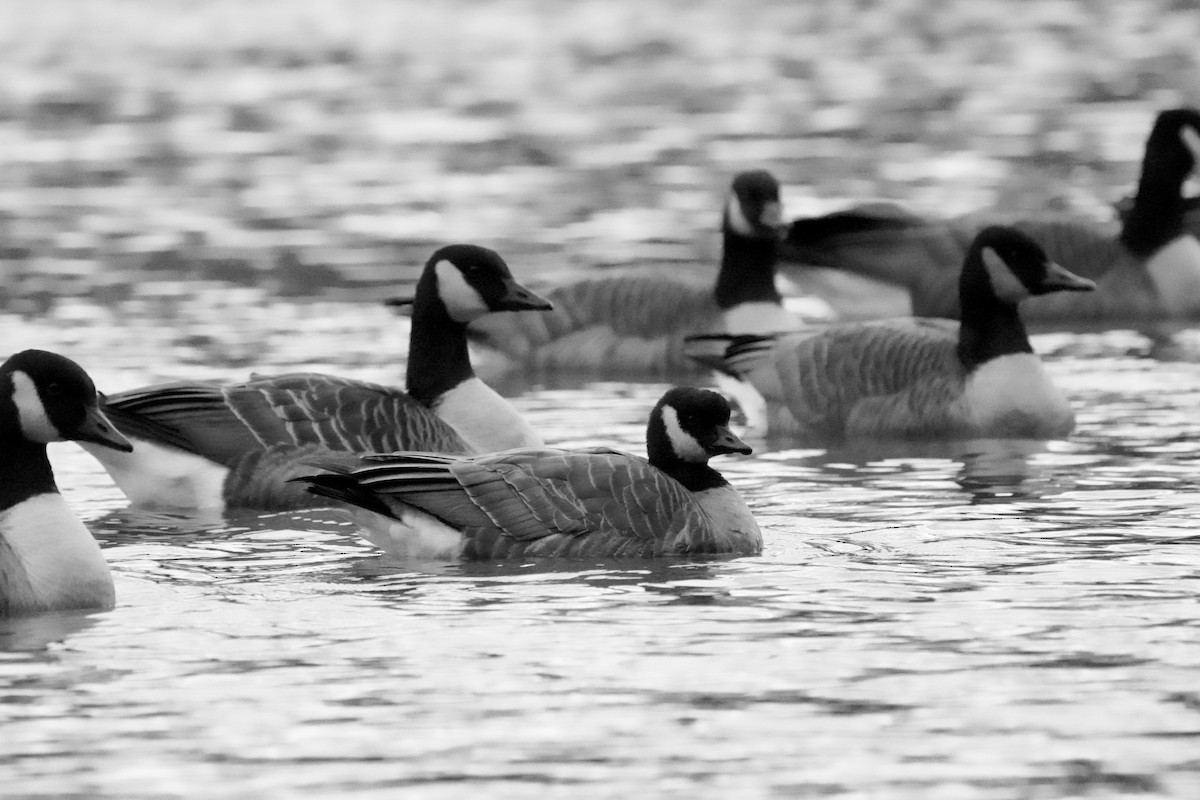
990	333
747	270
438	359
990	327
25	469
1158	207
695	477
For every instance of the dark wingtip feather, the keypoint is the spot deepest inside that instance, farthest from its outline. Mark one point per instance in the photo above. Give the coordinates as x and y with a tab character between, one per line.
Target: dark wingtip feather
708	349
861	219
343	489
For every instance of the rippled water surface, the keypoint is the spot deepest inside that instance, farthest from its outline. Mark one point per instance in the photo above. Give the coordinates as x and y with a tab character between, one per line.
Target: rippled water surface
980	620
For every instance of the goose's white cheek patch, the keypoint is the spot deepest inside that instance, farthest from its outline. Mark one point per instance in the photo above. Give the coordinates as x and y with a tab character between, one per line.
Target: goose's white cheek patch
1008	287
462	302
36	426
1191	140
737	217
683	443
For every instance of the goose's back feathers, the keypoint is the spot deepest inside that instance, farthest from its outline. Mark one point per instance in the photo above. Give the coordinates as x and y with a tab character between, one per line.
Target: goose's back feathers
899	376
262	479
339	414
538	502
223	423
629	319
193	417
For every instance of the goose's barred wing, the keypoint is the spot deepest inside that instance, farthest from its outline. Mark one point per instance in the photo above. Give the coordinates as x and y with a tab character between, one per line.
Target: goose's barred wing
226	423
633	319
844	376
881	242
190	416
338	414
529	502
263	479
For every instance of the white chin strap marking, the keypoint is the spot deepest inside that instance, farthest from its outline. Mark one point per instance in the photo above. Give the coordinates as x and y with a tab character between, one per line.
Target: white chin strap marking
31	414
1191	140
1005	284
461	300
684	444
737	216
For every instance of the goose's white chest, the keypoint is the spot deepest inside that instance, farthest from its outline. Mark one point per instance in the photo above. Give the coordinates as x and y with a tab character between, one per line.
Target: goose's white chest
730	519
1175	271
485	420
51	560
759	317
154	476
1013	396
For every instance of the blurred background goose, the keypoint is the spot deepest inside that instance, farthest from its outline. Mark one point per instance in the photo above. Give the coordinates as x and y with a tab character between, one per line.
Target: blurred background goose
48	558
1146	268
567	503
915	377
631	322
213	446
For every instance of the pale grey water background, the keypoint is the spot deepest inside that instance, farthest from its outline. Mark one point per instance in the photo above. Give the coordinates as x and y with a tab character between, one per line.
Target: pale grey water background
1016	623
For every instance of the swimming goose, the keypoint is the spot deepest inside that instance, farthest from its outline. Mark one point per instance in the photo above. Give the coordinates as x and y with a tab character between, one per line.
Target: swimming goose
631	321
915	377
568	503
48	559
1148	267
212	446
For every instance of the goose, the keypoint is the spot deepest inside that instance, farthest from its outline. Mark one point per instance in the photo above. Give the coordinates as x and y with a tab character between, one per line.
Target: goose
1146	268
541	502
631	321
917	377
48	559
212	447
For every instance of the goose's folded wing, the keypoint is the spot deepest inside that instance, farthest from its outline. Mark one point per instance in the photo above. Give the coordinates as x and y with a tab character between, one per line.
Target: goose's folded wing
821	376
523	495
338	414
881	242
535	494
190	416
629	317
264	478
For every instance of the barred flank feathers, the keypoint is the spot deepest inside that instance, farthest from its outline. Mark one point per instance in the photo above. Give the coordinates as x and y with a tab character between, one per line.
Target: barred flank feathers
630	317
339	414
825	376
266	479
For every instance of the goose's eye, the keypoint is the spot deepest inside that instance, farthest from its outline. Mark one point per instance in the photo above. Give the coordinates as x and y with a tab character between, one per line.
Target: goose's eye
54	389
